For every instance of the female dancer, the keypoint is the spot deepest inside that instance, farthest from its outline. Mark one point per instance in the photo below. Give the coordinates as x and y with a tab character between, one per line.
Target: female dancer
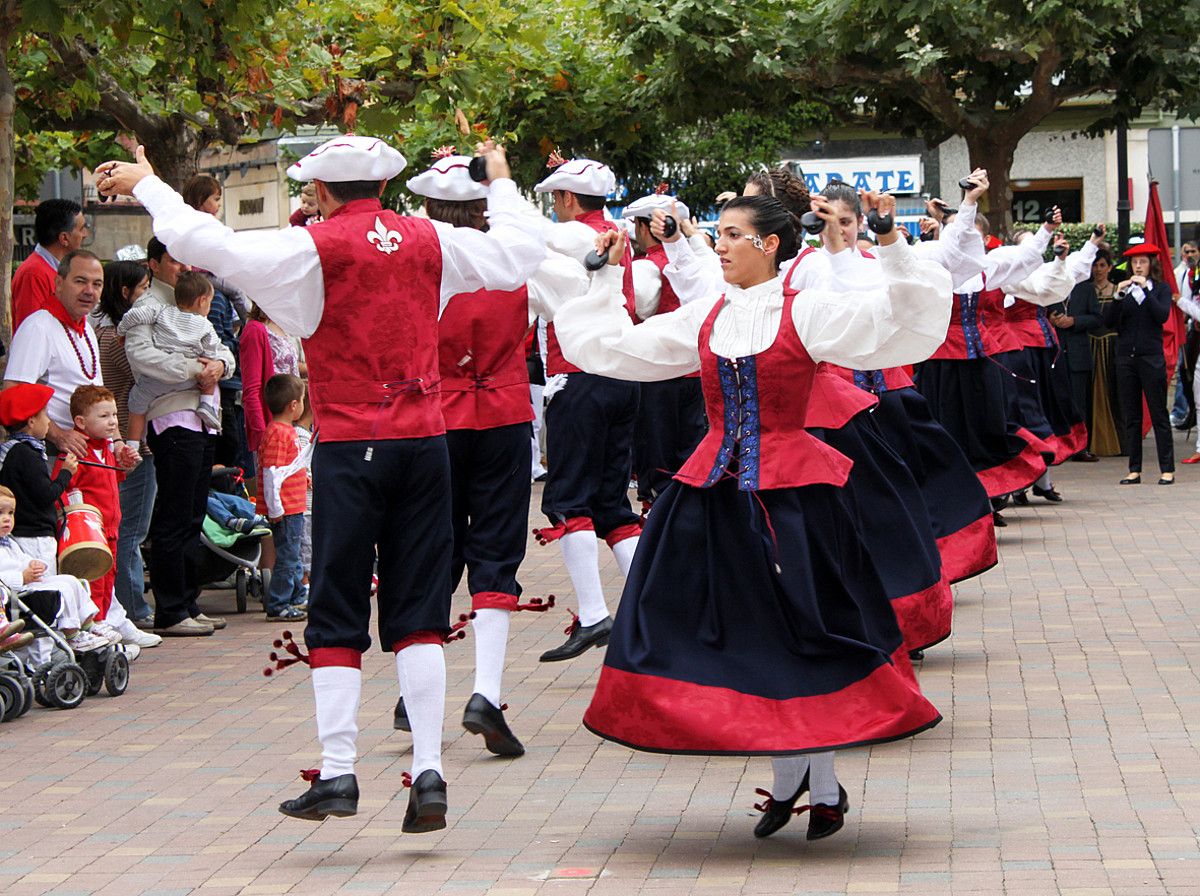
754	621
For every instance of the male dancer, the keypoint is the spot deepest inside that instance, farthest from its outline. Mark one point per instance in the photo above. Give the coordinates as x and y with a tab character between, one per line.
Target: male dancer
365	288
589	424
671	417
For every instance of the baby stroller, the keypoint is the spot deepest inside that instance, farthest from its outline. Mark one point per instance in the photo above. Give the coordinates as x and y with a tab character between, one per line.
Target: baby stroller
66	678
231	539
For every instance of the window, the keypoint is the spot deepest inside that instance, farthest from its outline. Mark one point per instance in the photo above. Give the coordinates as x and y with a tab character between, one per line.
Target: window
1031	198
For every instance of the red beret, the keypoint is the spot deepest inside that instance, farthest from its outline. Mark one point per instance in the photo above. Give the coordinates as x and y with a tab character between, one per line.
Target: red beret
991	243
23	401
1141	249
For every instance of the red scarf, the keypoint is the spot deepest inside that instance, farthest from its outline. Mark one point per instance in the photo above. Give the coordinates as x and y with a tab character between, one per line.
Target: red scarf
59	311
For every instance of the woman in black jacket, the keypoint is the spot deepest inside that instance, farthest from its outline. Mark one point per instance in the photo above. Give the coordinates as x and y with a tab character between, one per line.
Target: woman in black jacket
1142	306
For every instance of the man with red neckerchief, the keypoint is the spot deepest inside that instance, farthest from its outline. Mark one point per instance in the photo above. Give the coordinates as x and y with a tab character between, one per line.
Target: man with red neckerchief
57	346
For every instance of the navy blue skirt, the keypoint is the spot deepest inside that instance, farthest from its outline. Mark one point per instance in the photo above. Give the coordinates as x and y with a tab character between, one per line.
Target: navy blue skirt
755	623
957	504
1041	399
890	512
971	401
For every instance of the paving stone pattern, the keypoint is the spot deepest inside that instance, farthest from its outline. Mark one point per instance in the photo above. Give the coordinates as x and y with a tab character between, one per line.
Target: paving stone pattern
1065	765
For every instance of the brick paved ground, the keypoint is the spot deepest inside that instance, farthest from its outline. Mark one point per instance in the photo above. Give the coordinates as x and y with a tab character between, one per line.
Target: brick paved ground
1065	765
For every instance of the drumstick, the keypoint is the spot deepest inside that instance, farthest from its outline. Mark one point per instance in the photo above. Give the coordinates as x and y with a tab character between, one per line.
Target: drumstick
92	463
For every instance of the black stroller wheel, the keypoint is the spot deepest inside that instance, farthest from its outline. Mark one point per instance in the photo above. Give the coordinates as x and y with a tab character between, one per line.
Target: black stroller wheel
66	685
10	698
39	695
241	584
116	674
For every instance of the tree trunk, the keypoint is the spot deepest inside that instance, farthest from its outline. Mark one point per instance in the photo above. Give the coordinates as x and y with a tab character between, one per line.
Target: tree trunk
174	150
8	105
993	148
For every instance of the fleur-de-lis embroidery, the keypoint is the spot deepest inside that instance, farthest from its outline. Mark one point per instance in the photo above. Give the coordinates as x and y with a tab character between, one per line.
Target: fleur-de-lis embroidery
386	241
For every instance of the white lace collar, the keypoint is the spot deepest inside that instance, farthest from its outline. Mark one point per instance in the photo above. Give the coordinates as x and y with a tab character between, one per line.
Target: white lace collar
767	290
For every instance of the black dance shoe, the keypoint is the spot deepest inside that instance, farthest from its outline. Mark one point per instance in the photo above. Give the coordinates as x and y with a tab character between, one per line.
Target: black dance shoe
480	717
997	520
400	717
1048	493
1021	499
824	821
337	797
777	813
426	804
1131	479
1085	457
581	638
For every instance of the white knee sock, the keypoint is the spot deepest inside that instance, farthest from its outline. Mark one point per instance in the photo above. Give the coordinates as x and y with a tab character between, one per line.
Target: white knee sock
624	551
789	772
822	780
421	669
491	641
336	690
1044	481
582	559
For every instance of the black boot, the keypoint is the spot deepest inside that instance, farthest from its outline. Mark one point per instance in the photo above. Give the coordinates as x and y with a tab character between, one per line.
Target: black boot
777	813
826	820
481	717
400	717
337	797
426	804
580	639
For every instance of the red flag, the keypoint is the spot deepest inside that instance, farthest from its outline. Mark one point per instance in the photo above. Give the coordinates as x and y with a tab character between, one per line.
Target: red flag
1173	329
1156	233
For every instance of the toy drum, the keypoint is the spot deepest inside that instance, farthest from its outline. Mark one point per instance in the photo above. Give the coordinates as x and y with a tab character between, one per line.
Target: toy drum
83	548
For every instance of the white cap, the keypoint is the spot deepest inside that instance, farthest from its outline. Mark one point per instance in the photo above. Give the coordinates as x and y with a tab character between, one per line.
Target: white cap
644	207
349	157
582	176
448	179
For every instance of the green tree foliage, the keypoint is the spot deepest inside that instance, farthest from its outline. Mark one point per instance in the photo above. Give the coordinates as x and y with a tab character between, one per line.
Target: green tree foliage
986	70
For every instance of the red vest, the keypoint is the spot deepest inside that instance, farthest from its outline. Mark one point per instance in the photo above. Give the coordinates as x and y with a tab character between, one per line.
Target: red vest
373	361
835	397
481	351
976	327
667	300
757	411
1029	324
555	362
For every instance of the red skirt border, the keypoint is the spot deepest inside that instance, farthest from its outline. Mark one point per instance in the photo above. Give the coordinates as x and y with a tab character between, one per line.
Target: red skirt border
969	551
661	715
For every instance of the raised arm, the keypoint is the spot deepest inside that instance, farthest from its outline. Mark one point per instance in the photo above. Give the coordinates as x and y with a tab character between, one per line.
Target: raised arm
901	322
556	281
502	258
597	335
1012	264
280	268
647	288
960	248
694	271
